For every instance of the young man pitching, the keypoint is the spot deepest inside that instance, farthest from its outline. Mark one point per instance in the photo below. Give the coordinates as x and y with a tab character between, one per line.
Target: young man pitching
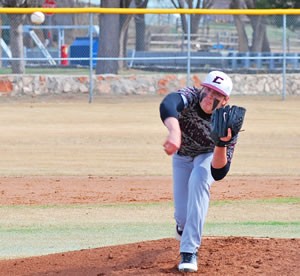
199	158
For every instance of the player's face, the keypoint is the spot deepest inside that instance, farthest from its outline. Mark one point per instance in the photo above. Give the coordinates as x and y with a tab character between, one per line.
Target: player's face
211	99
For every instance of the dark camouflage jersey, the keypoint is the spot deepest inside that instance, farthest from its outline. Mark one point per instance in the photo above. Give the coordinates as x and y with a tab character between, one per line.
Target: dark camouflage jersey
195	126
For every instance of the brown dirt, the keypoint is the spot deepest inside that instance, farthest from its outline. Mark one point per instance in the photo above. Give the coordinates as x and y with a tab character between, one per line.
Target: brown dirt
217	256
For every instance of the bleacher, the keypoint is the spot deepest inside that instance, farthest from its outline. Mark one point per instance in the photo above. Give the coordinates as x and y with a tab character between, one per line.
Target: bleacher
174	60
214	50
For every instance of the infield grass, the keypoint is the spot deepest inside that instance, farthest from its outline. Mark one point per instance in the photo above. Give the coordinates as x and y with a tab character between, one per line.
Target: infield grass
38	230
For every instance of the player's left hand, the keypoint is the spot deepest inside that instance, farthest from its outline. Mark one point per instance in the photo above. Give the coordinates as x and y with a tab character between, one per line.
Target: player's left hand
228	137
226	122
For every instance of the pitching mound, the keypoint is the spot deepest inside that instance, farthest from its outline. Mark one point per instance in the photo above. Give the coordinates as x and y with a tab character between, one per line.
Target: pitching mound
218	256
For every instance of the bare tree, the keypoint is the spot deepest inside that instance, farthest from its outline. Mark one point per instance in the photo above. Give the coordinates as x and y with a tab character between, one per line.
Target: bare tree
124	25
140	27
16	32
195	18
16	35
109	39
113	35
243	43
260	42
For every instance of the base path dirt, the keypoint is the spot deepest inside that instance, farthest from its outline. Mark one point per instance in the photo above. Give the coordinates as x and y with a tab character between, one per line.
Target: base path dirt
43	190
217	256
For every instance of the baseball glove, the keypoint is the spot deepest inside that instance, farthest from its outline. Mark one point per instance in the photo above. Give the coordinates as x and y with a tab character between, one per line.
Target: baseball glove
224	118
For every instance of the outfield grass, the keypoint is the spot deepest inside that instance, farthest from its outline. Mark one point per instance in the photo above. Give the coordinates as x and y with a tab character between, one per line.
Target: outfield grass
124	136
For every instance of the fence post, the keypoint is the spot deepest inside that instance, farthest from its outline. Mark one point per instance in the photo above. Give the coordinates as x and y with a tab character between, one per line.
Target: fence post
259	61
91	59
271	61
284	59
188	50
234	60
247	60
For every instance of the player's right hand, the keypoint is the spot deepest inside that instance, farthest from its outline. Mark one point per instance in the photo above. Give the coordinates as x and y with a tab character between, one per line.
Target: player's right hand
170	148
173	141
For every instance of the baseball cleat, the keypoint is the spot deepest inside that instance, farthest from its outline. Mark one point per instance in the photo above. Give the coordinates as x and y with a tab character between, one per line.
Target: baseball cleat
188	262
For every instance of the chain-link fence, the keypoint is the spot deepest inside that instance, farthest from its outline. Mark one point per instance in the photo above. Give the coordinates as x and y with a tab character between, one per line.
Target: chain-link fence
91	43
156	42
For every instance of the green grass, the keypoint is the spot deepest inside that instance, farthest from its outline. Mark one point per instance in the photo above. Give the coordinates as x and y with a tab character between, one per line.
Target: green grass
279	200
47	70
270	229
38	230
71	71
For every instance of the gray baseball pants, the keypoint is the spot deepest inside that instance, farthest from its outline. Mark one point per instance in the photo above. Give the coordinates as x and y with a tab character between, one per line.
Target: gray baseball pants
191	187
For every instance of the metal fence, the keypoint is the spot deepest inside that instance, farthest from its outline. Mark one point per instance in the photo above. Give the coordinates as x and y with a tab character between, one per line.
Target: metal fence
161	45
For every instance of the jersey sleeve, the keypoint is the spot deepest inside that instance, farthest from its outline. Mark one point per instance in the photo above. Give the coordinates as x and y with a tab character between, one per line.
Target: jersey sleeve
175	102
171	105
190	96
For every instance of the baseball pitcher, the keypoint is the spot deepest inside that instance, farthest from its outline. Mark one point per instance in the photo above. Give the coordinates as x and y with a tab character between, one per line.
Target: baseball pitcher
202	134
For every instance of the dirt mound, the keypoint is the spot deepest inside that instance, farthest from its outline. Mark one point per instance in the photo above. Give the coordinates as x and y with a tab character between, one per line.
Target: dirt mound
218	256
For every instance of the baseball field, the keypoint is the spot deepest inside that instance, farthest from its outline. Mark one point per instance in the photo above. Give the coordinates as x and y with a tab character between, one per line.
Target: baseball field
85	189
